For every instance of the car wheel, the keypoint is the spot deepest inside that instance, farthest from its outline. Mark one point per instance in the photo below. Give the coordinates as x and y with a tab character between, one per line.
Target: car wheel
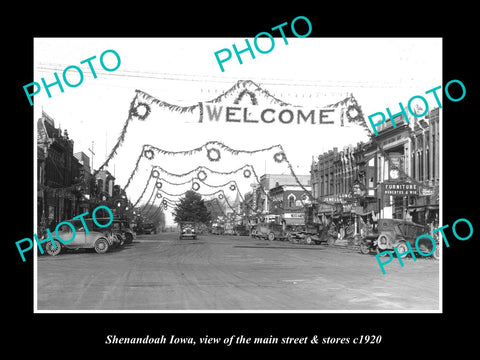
364	248
383	241
402	248
101	246
309	240
53	251
128	238
271	236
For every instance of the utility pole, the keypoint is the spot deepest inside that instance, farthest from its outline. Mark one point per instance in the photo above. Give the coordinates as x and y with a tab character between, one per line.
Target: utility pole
91	150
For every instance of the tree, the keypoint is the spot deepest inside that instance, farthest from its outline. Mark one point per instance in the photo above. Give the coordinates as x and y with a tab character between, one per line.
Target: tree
191	208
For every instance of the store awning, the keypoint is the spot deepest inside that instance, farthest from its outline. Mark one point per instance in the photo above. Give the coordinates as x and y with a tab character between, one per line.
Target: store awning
294	221
423	207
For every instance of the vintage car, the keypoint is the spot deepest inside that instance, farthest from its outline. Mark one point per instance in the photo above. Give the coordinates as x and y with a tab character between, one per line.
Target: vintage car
148	228
121	231
396	233
270	230
241	230
97	238
128	233
187	230
310	235
217	230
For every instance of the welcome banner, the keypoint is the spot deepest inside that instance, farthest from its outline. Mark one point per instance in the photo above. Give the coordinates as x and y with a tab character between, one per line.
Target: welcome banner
247	102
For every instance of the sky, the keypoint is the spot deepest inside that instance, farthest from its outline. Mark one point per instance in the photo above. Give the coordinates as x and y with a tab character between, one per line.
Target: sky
311	72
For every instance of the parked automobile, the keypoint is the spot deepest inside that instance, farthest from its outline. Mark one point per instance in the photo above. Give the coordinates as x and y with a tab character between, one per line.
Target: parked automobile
241	230
96	238
271	231
187	230
310	235
128	233
229	232
122	231
396	233
218	230
148	228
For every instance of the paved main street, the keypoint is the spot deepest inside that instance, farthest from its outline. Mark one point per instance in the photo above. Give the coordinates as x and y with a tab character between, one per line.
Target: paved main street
160	272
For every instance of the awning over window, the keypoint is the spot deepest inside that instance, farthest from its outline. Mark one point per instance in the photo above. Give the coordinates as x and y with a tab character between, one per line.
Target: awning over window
294	221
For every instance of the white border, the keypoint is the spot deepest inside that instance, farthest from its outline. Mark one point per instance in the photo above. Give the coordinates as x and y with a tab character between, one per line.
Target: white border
37	113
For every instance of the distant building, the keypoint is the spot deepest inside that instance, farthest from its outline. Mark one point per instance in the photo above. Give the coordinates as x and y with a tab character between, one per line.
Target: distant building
269	181
84	161
104	184
288	202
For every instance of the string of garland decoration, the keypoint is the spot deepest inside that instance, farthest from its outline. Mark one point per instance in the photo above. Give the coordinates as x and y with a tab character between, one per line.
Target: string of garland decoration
200	175
201	171
148	202
156	211
219	193
214	202
121	137
253	98
143	192
170	202
148	151
140	107
134	171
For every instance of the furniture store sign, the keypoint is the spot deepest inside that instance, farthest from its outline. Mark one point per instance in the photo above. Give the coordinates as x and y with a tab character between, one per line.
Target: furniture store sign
399	189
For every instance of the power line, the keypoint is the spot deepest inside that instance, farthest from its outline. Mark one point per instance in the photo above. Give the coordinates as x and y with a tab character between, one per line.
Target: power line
152	75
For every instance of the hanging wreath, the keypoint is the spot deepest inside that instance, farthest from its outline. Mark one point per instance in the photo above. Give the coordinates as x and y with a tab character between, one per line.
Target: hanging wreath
195	186
233	187
165	207
158	184
164	202
213	154
155	173
141	111
159	196
202	175
247	173
279	157
148	154
220	196
356	110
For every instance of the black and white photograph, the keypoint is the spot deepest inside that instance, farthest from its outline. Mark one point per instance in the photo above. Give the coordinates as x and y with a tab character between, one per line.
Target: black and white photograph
291	182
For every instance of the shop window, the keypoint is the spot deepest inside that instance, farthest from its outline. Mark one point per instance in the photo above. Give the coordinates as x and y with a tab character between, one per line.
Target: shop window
291	201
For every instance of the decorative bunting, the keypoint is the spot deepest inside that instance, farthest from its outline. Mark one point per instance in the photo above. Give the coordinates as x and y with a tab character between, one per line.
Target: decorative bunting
202	175
140	108
213	154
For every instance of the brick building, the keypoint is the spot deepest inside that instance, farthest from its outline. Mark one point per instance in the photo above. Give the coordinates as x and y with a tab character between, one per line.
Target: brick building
394	175
57	173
